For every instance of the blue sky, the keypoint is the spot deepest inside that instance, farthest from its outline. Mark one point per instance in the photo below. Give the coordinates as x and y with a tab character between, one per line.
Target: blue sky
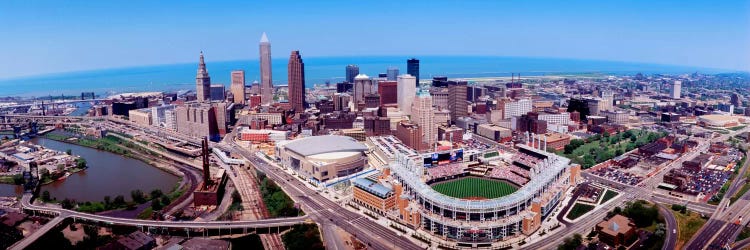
40	37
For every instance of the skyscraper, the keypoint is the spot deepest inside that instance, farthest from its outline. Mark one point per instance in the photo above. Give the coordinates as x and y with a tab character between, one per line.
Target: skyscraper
351	72
202	82
217	92
412	68
238	86
392	74
457	100
388	92
676	87
266	85
406	91
424	116
362	84
296	76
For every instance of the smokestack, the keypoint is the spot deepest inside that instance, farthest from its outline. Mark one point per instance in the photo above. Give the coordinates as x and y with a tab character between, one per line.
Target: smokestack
204	156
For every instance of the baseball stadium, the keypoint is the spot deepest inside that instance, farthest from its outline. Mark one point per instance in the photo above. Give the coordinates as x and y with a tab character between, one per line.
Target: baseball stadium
479	203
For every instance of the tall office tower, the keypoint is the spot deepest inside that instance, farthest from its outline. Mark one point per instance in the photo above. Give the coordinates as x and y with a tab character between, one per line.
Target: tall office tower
676	87
392	74
361	84
296	76
388	92
351	72
203	82
516	108
736	100
424	116
608	99
457	100
238	86
406	89
412	68
266	84
218	92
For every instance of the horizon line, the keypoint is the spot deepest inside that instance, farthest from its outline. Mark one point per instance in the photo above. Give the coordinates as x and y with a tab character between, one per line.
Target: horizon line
50	74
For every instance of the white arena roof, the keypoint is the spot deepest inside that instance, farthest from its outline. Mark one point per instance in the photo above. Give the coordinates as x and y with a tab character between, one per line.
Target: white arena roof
315	145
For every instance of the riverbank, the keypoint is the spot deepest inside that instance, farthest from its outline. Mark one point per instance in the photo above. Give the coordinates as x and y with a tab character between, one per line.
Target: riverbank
125	146
117	146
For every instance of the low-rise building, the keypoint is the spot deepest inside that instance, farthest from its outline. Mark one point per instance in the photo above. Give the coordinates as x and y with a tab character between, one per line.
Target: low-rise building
373	195
616	231
140	116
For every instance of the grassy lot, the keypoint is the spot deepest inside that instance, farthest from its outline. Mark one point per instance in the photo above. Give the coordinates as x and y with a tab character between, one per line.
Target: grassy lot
608	195
687	225
475	187
737	128
744	234
600	148
578	210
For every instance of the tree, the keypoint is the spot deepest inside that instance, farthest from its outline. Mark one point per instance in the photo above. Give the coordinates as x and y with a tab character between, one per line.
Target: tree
165	200
137	196
156	205
119	201
571	242
46	196
236	196
156	193
18	179
107	202
68	203
81	163
43	173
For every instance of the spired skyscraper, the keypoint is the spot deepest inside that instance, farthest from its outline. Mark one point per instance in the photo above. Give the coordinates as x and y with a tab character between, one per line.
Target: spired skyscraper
351	72
266	85
412	68
202	82
296	76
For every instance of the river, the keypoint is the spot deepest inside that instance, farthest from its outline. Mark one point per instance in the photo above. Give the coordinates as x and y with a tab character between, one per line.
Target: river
108	174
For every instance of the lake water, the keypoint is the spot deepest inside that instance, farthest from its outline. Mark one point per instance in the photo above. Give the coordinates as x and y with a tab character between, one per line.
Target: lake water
318	70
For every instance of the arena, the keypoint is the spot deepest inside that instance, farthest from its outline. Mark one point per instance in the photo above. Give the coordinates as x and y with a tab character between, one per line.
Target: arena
718	121
478	203
321	159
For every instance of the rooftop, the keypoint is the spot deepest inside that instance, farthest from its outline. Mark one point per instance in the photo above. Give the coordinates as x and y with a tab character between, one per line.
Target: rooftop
314	145
372	187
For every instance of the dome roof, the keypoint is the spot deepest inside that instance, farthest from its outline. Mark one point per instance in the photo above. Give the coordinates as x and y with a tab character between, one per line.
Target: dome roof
361	77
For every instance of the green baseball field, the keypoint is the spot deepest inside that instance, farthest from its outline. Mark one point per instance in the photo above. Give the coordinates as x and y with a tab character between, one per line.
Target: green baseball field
475	188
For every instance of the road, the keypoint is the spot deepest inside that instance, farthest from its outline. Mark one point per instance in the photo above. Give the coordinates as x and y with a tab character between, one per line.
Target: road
326	212
671	235
64	213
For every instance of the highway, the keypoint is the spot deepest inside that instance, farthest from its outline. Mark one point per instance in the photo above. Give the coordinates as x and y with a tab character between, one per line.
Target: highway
721	229
64	213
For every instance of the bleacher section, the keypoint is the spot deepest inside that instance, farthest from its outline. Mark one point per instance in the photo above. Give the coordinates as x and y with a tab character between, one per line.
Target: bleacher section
448	170
505	173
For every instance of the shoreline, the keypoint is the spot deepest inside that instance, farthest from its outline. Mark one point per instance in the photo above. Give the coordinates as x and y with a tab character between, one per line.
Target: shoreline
171	171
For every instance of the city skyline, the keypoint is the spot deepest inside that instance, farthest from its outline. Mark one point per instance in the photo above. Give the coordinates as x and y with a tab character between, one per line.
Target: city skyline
695	34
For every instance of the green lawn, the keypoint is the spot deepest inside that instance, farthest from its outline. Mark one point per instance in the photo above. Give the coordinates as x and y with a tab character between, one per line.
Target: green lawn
608	195
687	225
737	128
475	187
600	148
578	210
